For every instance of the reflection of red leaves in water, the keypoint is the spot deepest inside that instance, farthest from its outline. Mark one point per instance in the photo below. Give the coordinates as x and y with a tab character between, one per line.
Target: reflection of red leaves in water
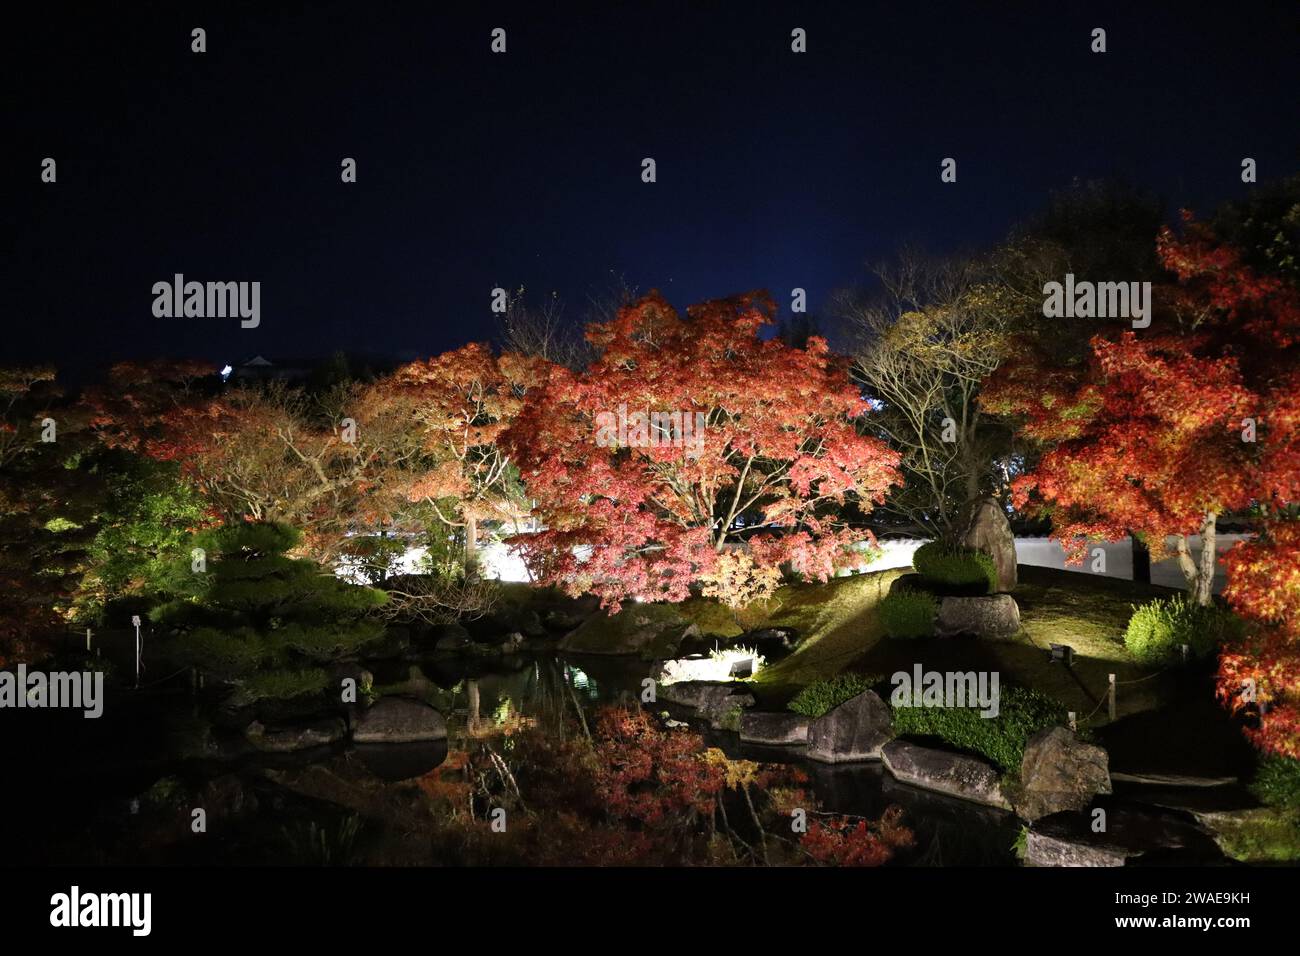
841	841
640	794
651	775
447	782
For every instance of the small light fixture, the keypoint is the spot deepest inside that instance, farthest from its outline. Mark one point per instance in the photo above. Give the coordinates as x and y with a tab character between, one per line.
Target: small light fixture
1062	653
742	669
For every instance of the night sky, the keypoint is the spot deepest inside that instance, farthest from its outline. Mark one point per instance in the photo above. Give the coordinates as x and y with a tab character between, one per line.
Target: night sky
478	170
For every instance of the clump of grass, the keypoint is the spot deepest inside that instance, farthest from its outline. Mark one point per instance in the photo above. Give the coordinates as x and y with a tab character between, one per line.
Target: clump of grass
955	567
1261	835
310	844
1022	712
1158	629
1277	783
823	696
909	614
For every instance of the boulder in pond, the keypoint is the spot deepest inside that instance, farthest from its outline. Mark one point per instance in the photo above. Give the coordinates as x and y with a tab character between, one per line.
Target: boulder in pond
397	720
1060	772
957	775
993	615
1131	834
448	637
720	703
493	627
776	728
988	530
289	738
855	730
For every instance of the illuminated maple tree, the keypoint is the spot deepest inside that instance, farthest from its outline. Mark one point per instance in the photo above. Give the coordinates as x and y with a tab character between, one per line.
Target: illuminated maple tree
731	437
1163	431
455	407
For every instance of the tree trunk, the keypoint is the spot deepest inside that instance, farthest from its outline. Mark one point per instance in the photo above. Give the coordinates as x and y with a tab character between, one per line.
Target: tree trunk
1141	561
472	711
471	545
1200	574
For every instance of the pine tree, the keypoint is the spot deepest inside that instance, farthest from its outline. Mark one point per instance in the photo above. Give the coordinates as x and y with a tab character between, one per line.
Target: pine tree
259	620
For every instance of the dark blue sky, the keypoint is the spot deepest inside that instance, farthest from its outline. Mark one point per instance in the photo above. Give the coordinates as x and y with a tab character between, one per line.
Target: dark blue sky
475	170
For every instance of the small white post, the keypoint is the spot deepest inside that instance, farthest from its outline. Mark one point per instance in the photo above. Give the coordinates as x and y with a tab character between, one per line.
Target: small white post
135	622
87	640
1110	691
1073	725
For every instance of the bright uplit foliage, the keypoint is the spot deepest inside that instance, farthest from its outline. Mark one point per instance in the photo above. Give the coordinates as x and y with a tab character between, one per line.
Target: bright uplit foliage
456	405
1264	587
645	515
1148	433
1195	416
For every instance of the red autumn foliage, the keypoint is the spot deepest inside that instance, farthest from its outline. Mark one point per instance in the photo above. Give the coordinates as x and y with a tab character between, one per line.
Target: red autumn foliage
655	777
1153	434
455	407
1146	435
648	506
844	841
1264	587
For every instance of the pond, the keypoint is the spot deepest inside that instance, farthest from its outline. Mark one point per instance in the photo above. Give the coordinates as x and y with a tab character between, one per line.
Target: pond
116	790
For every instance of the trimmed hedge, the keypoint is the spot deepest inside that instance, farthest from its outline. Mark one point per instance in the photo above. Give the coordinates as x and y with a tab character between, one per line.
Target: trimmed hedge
1158	628
823	696
956	567
1021	714
908	614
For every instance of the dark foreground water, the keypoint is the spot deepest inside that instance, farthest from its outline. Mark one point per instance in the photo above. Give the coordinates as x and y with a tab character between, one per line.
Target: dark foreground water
116	790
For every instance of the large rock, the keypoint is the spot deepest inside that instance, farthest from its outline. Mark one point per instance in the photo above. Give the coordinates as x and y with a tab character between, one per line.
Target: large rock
1124	836
396	720
497	624
988	530
289	738
1060	772
855	730
773	643
775	728
943	772
448	637
721	704
994	615
655	629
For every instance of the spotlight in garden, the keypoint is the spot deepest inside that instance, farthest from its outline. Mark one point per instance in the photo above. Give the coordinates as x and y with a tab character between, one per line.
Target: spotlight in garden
1063	654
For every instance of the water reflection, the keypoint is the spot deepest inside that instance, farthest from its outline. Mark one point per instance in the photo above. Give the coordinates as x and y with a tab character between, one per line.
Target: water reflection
550	691
393	762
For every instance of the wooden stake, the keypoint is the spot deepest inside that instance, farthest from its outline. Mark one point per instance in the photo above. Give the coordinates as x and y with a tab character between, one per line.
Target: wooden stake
1110	703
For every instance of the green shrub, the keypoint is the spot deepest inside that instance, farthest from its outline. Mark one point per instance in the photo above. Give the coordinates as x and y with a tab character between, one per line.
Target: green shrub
1277	782
956	567
259	620
1157	629
1021	714
908	614
281	685
823	696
